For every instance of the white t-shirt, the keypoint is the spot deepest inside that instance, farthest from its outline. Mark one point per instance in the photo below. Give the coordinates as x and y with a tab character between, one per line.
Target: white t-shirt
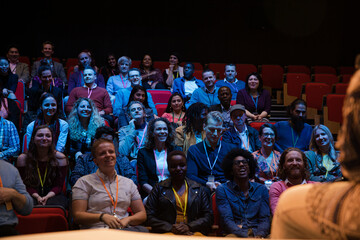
190	87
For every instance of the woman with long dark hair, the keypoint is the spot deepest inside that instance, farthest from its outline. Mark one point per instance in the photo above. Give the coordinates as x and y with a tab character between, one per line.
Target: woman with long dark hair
151	77
175	110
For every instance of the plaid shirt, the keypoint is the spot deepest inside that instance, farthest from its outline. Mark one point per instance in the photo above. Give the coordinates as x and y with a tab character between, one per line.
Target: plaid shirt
9	139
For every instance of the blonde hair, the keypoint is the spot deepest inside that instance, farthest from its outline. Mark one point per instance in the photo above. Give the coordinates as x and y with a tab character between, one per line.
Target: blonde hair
314	147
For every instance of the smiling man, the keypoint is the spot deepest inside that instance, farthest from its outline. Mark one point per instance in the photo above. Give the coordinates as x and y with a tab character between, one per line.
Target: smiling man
207	95
90	90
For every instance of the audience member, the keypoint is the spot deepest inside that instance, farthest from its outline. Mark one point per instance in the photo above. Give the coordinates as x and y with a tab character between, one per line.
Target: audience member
293	170
92	204
241	134
111	67
123	95
178	204
224	95
9	139
175	110
77	78
187	84
243	205
132	136
204	159
174	71
151	161
231	81
329	210
43	169
57	69
192	130
295	132
256	100
4	106
13	197
8	80
138	93
19	68
266	157
151	77
85	164
322	156
49	115
83	121
208	94
119	81
91	91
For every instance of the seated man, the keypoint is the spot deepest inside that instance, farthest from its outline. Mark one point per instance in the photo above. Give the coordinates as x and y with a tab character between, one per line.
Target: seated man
204	158
85	164
187	84
123	94
243	205
9	139
293	170
19	68
231	81
91	90
56	68
207	95
242	135
224	95
188	211
13	196
295	132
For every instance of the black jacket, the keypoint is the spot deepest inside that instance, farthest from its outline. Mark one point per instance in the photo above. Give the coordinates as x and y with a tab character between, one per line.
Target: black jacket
161	208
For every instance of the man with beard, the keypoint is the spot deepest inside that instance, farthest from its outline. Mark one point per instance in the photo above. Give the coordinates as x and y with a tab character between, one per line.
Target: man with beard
295	132
293	170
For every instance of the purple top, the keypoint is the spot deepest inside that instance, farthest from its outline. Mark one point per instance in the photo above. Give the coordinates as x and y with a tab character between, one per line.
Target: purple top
263	101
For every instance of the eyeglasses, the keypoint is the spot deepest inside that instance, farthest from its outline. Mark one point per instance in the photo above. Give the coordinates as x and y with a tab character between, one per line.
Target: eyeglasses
243	162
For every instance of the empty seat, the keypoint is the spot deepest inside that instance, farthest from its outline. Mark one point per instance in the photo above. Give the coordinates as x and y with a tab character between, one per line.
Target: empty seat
243	70
41	223
161	65
340	88
198	74
160	96
218	68
324	70
332	111
298	69
160	108
329	79
272	76
346	70
292	86
345	78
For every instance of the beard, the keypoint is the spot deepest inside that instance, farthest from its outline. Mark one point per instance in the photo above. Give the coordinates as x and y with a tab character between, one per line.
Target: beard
298	123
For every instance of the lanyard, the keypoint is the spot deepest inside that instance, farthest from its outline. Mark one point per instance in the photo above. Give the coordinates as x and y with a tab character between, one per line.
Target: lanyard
42	181
183	209
243	142
255	101
139	145
89	92
163	170
292	136
207	156
232	85
8	204
272	163
124	86
174	117
117	192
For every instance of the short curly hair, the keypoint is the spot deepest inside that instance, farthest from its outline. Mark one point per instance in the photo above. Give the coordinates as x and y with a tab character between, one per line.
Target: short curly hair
281	171
228	161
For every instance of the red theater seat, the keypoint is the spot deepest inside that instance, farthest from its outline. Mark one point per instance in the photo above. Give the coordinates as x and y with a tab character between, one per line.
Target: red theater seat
324	70
346	70
257	125
292	86
197	65
160	96
298	69
218	68
329	79
345	78
332	111
198	74
216	225
135	63
272	76
160	108
70	62
25	59
340	88
243	70
161	65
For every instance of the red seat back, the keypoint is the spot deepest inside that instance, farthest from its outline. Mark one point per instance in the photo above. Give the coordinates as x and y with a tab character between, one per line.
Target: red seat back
324	70
160	96
257	125
298	69
135	63
243	70
345	78
198	74
70	62
329	79
335	103
197	65
20	95
346	70
41	222
160	108
294	82
24	59
161	65
314	94
272	76
218	68
340	88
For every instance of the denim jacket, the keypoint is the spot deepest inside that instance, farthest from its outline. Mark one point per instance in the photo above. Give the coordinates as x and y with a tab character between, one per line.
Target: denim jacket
238	214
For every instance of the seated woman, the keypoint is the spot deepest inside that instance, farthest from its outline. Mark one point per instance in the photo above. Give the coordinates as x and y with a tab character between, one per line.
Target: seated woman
151	77
193	131
322	157
179	205
151	160
257	101
267	157
43	169
101	199
175	110
111	67
83	121
138	93
293	170
243	205
174	71
49	115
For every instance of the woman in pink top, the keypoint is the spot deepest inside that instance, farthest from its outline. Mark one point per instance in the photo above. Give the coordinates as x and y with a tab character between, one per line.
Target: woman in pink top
175	110
293	170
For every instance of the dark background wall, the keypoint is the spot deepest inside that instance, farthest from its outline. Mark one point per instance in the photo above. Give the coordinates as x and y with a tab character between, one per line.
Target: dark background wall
258	31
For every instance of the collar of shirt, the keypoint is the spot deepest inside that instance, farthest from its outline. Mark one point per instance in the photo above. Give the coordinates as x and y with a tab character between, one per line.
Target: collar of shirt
235	187
105	177
230	82
208	144
289	184
93	86
223	109
245	132
207	91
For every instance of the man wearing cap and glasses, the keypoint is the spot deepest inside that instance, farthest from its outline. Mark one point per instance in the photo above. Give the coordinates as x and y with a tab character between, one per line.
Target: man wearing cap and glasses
242	135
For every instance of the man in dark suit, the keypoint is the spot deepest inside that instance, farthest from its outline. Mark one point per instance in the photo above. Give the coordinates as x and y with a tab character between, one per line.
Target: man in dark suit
224	95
